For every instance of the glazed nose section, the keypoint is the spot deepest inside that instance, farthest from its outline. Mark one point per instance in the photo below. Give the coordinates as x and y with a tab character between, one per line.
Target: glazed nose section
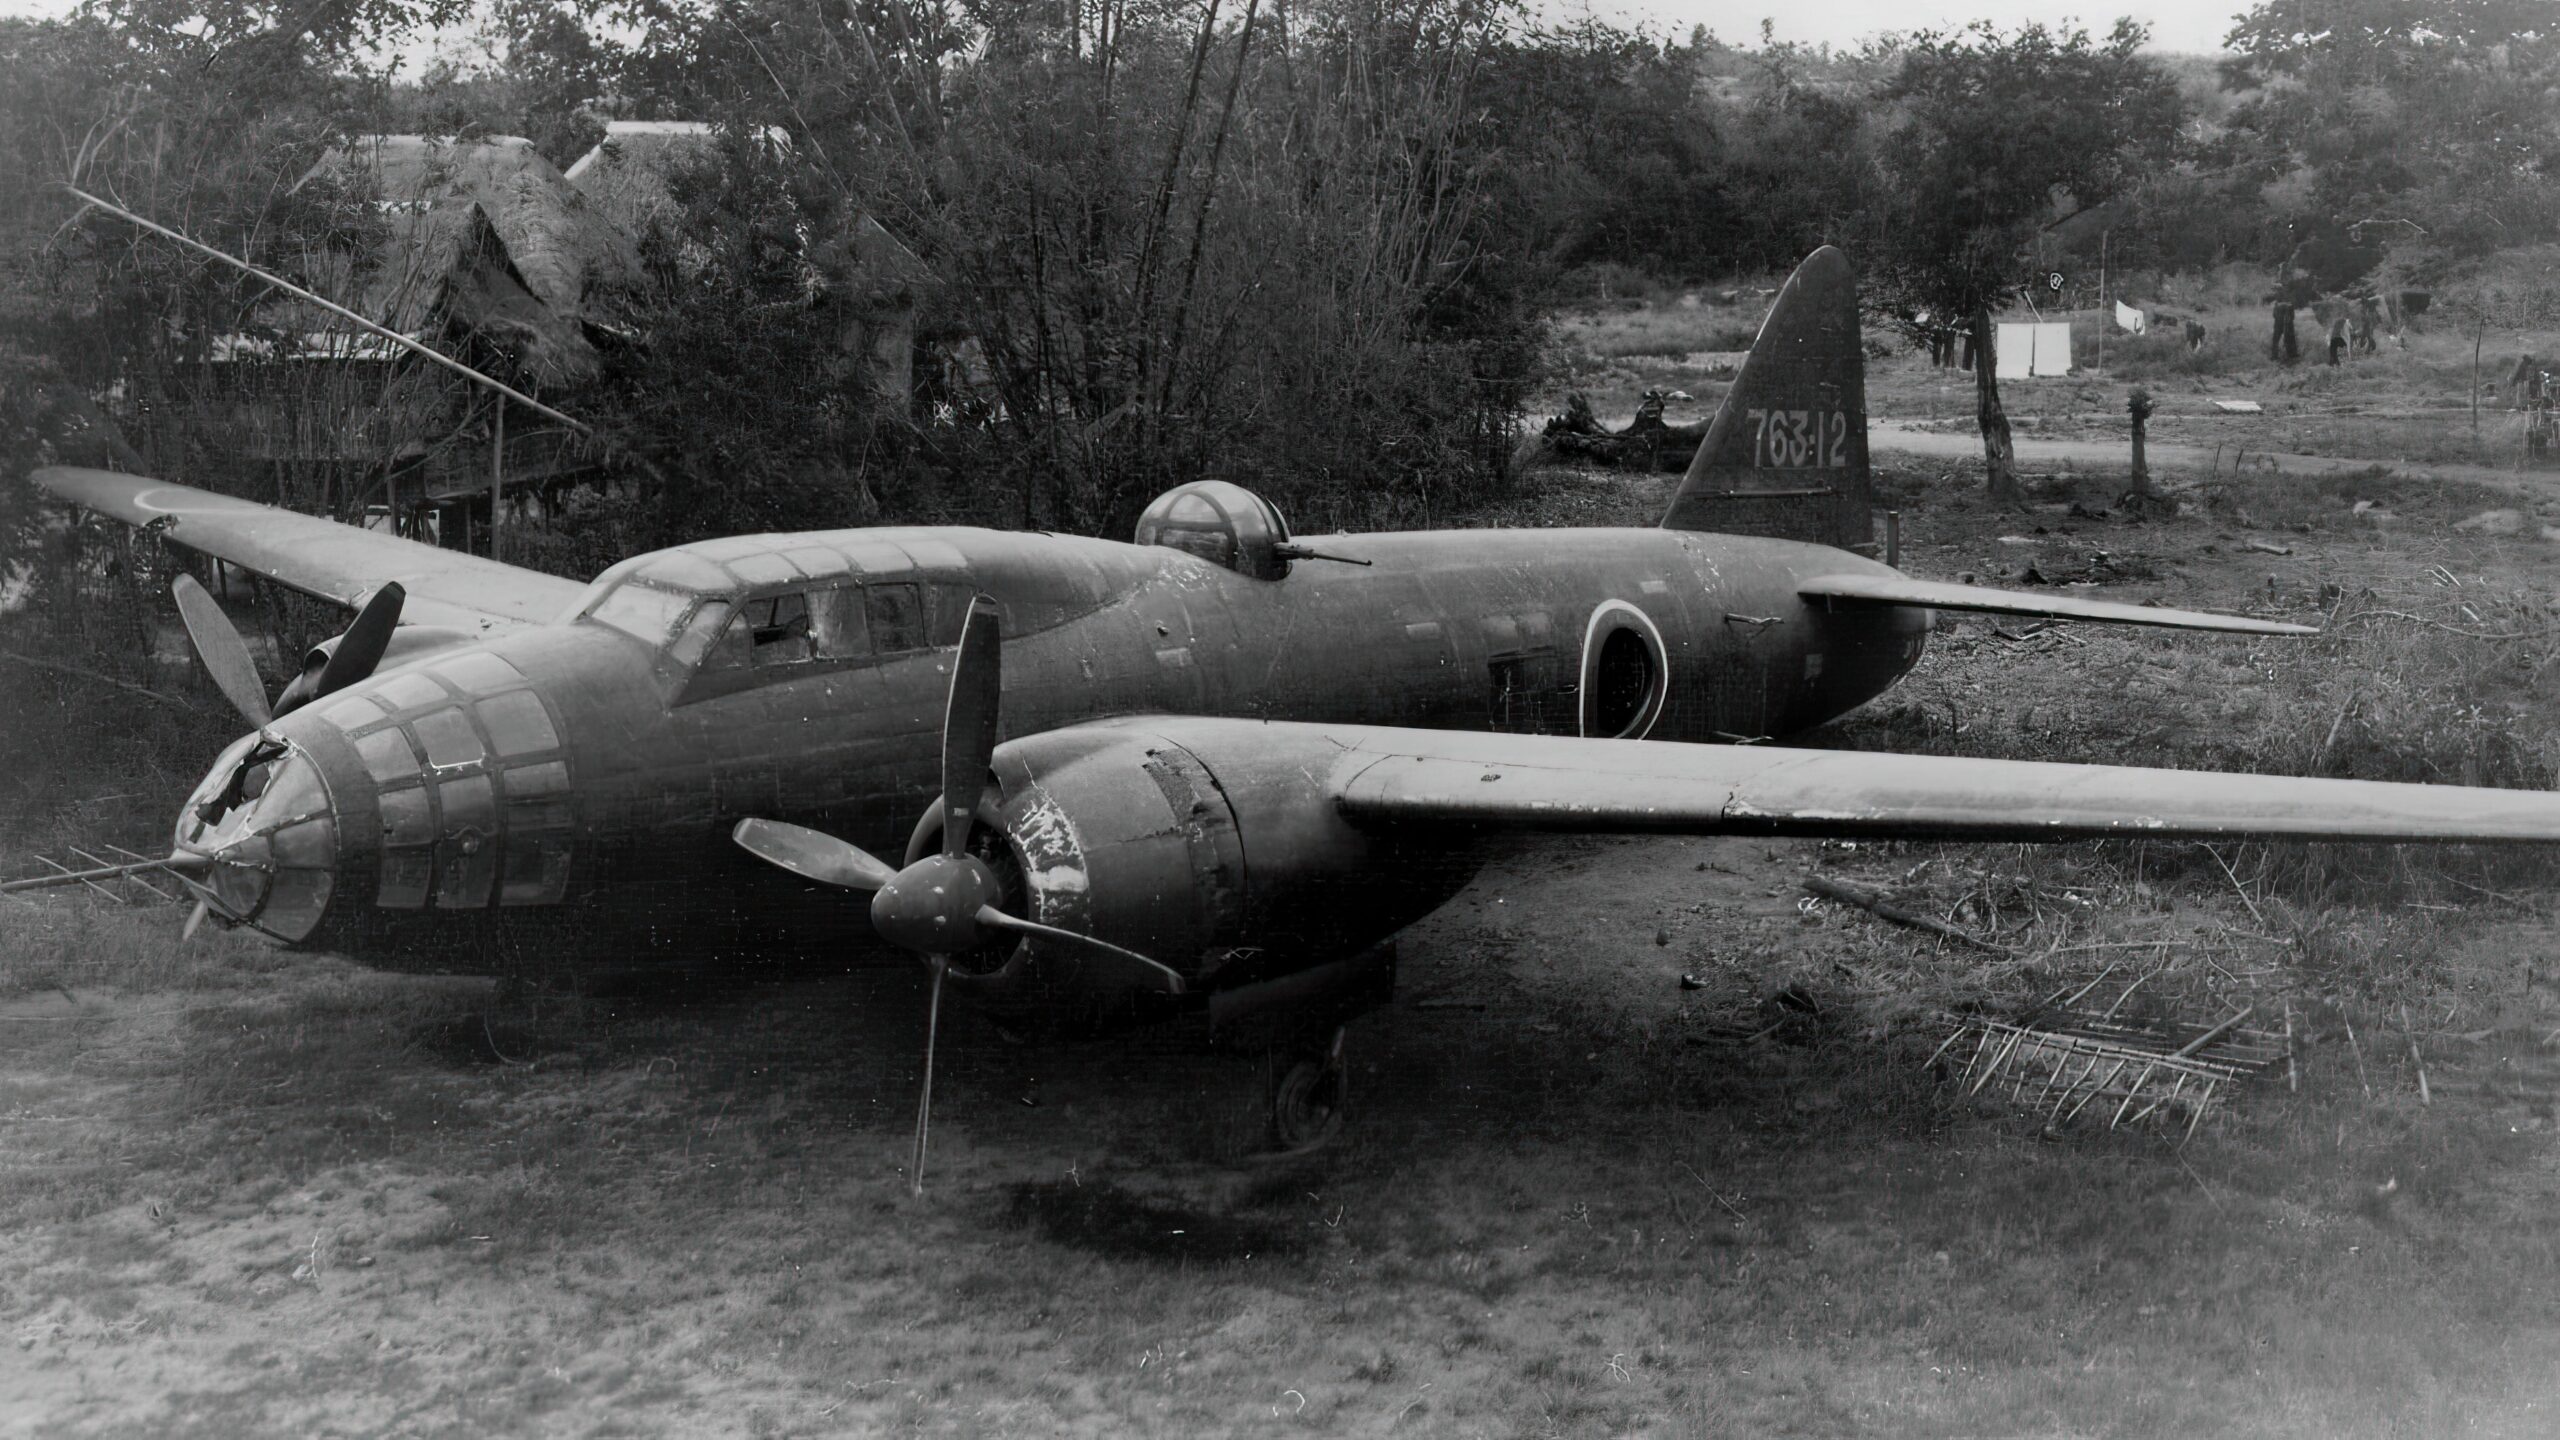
240	876
264	820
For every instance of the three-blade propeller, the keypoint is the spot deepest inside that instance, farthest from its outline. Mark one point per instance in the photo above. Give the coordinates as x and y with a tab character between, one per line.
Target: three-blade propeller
225	651
944	904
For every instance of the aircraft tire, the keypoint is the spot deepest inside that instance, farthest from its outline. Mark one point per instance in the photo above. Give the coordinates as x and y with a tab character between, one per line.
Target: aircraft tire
1308	1103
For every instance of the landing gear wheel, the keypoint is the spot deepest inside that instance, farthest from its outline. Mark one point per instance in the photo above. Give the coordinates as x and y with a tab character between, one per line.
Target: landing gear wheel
1308	1102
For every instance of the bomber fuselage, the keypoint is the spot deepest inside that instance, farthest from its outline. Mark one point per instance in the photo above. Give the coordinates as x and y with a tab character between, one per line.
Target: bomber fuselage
803	677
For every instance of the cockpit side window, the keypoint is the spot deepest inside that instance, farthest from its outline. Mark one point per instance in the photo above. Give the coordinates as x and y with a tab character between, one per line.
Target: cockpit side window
897	616
696	645
771	637
777	628
843	630
951	611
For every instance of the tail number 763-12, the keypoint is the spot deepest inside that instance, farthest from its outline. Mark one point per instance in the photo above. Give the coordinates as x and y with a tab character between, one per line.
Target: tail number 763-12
1799	439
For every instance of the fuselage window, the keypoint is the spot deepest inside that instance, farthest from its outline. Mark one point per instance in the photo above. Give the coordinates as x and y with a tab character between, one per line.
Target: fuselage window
897	617
777	629
842	631
951	612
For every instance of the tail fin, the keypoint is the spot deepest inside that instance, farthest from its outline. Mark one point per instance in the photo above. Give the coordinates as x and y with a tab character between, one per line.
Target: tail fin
1787	455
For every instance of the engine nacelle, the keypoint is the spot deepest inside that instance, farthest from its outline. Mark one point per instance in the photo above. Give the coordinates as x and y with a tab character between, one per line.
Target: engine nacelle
408	642
1221	855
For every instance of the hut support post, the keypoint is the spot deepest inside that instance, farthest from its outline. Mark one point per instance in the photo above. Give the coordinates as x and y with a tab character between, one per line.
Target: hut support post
497	473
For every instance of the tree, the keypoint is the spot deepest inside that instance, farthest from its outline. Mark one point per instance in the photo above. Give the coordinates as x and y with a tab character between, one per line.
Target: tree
1172	238
1990	139
2417	120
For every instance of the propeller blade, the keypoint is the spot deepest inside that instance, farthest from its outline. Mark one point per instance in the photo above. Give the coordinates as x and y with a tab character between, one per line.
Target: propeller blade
969	724
224	653
360	649
1155	975
924	1103
811	854
195	921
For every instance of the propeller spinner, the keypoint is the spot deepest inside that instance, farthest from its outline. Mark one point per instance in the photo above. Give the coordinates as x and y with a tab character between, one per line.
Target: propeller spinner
944	904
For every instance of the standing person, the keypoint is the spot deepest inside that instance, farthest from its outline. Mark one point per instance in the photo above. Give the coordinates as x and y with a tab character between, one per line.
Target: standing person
2282	345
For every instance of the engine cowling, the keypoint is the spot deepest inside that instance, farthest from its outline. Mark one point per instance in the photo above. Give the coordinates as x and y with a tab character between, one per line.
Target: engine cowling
1220	854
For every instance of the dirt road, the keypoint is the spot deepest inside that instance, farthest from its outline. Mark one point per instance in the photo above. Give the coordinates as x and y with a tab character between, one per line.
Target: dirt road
2171	457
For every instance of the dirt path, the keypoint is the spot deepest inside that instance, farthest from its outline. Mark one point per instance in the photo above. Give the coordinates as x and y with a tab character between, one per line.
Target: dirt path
1901	437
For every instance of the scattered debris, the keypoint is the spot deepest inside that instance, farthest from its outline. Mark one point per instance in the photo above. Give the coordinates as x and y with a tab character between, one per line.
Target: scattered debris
1689	981
2063	1058
2239	407
2266	548
1876	904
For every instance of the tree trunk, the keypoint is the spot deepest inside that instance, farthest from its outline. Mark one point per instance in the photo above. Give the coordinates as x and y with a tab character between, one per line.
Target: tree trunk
1999	453
2139	406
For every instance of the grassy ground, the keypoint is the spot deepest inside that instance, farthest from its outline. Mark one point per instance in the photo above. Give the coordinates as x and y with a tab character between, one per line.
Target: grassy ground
247	1193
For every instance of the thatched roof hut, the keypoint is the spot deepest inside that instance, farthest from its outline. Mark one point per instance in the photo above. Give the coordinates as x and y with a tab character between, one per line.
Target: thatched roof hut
486	237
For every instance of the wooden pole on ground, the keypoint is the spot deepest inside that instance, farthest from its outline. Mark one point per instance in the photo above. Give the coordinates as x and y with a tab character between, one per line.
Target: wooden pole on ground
1875	904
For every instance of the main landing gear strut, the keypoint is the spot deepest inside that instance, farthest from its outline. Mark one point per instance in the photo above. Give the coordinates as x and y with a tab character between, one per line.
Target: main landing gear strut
1300	1022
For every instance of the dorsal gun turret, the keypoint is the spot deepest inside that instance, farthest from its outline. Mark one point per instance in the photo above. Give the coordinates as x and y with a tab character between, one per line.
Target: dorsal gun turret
1223	523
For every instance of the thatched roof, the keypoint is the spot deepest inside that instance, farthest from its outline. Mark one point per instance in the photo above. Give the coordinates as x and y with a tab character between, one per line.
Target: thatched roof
483	235
577	260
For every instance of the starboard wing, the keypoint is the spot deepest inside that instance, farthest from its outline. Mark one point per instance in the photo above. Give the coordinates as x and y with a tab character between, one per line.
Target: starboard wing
323	558
1466	780
1936	595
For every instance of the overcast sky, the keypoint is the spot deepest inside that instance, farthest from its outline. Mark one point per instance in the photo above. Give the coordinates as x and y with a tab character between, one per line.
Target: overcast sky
2192	25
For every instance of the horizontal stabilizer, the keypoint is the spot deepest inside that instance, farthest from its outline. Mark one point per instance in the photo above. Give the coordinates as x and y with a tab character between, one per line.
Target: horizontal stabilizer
1935	595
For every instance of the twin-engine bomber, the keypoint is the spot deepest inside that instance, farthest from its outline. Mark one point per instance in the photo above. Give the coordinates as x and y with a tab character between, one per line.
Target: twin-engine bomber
1218	768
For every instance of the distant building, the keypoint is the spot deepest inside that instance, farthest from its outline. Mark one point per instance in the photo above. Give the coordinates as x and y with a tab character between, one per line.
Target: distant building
863	275
484	240
479	248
